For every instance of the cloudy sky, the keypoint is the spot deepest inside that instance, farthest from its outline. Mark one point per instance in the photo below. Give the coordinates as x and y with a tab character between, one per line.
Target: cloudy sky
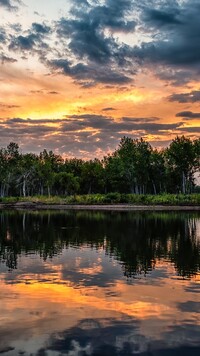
77	75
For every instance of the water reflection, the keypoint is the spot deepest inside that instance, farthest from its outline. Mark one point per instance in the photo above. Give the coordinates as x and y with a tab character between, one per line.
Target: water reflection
136	240
84	283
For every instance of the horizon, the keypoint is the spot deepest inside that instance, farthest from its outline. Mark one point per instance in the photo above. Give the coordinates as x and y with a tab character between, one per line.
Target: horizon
77	76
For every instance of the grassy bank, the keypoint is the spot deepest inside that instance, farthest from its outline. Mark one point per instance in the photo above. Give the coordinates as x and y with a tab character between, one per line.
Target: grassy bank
112	198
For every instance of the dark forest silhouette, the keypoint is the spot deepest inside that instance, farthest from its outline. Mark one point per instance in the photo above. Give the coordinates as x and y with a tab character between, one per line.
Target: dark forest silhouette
134	167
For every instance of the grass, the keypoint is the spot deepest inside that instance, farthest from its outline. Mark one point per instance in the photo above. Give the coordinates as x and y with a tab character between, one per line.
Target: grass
112	198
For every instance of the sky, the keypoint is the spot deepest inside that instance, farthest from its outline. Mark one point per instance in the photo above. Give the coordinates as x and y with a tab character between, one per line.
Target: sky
76	76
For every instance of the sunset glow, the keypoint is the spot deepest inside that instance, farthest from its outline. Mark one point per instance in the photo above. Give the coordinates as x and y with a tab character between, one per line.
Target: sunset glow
93	64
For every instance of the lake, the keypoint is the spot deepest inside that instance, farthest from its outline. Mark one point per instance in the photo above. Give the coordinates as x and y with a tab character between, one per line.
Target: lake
99	283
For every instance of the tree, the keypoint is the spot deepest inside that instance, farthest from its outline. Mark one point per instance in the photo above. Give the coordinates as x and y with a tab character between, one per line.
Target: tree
28	173
65	183
135	163
181	161
49	163
114	174
127	154
197	153
13	158
92	178
157	171
142	165
4	172
134	167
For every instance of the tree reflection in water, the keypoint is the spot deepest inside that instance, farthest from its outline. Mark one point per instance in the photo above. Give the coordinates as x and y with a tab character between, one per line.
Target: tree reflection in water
99	283
137	240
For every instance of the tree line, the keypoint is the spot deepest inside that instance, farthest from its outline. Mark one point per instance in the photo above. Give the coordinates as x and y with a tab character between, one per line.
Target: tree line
134	167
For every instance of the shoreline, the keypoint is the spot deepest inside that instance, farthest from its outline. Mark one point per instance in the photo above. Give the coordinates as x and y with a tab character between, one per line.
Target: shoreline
96	207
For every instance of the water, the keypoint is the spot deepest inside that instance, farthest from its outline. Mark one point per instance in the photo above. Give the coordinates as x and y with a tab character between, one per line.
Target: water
95	283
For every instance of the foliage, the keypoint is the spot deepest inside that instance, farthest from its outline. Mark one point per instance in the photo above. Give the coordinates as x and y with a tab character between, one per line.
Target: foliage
134	173
111	198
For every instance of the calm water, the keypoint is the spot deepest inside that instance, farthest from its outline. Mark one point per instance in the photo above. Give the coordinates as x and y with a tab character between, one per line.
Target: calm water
84	283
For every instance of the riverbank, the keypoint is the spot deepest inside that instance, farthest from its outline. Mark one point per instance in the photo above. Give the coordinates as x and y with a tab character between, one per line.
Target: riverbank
106	207
110	201
110	198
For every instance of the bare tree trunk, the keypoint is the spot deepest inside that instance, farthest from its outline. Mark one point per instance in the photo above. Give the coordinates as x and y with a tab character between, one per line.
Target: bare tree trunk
136	189
183	183
24	186
154	188
41	189
90	189
48	189
2	190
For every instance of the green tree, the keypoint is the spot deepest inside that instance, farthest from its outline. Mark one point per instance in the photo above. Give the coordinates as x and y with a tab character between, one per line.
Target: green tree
13	158
65	183
27	176
4	172
142	165
157	171
114	174
135	163
92	178
181	161
126	152
49	163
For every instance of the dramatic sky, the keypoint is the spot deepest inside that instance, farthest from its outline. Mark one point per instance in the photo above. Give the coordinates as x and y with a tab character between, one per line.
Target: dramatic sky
77	75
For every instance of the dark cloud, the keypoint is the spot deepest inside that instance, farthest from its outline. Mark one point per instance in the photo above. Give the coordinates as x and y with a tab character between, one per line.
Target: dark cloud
108	109
17	27
14	120
190	306
9	106
95	122
23	43
53	92
9	4
141	119
125	124
32	121
85	40
43	91
86	44
2	35
41	28
113	14
32	40
160	18
175	29
92	74
87	36
191	97
79	135
5	59
192	129
188	115
36	91
175	77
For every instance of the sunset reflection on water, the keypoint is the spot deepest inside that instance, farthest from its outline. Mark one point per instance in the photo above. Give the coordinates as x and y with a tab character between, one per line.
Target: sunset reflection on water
71	292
